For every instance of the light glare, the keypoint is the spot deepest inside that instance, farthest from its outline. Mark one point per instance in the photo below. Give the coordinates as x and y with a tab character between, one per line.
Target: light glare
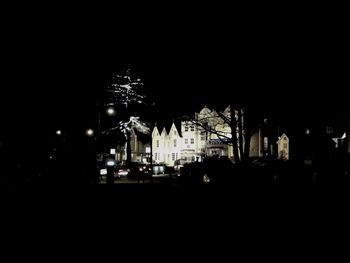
89	132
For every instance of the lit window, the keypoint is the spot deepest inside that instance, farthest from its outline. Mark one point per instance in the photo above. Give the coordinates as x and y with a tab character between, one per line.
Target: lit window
329	130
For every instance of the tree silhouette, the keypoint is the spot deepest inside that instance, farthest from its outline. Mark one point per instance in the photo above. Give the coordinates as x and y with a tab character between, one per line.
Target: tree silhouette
125	94
230	126
125	89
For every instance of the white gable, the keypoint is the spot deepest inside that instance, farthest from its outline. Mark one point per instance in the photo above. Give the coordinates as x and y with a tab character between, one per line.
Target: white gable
205	111
282	138
164	133
155	131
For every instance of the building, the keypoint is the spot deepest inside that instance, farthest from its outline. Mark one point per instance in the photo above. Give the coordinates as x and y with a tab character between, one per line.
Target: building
283	147
167	145
212	144
187	141
140	148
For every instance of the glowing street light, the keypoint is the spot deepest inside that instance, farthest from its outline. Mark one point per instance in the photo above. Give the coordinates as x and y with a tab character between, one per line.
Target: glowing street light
110	163
59	132
90	132
111	111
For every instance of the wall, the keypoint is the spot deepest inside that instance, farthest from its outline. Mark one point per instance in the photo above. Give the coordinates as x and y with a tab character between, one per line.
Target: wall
254	145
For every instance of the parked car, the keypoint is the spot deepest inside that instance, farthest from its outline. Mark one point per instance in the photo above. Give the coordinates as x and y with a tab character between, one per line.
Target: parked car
121	171
138	171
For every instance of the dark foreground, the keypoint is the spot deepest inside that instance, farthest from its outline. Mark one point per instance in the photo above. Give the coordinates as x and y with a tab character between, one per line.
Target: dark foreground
147	219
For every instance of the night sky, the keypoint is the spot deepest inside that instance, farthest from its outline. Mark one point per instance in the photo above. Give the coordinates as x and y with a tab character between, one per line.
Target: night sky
57	66
57	58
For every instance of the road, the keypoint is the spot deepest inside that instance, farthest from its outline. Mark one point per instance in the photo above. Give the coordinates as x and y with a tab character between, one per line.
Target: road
157	179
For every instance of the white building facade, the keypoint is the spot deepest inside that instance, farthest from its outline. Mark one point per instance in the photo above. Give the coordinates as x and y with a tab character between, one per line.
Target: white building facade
166	145
191	142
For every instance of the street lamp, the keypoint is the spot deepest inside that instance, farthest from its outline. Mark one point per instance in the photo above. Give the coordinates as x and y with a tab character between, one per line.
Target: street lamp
59	132
90	132
110	162
110	111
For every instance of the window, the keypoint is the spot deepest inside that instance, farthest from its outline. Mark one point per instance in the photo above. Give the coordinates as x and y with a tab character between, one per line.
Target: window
155	156
266	143
192	128
173	156
174	132
186	128
285	145
202	138
176	156
329	130
186	141
157	143
175	143
192	140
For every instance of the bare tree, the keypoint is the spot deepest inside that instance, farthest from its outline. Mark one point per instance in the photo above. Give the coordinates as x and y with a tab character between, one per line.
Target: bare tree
125	89
230	127
124	93
126	127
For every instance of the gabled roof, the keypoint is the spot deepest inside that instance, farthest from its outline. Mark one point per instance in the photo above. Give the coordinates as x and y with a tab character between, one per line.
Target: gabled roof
155	129
164	131
205	110
177	125
165	126
227	109
282	137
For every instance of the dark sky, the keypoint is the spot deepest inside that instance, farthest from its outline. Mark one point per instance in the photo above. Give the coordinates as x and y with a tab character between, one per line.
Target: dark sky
56	64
